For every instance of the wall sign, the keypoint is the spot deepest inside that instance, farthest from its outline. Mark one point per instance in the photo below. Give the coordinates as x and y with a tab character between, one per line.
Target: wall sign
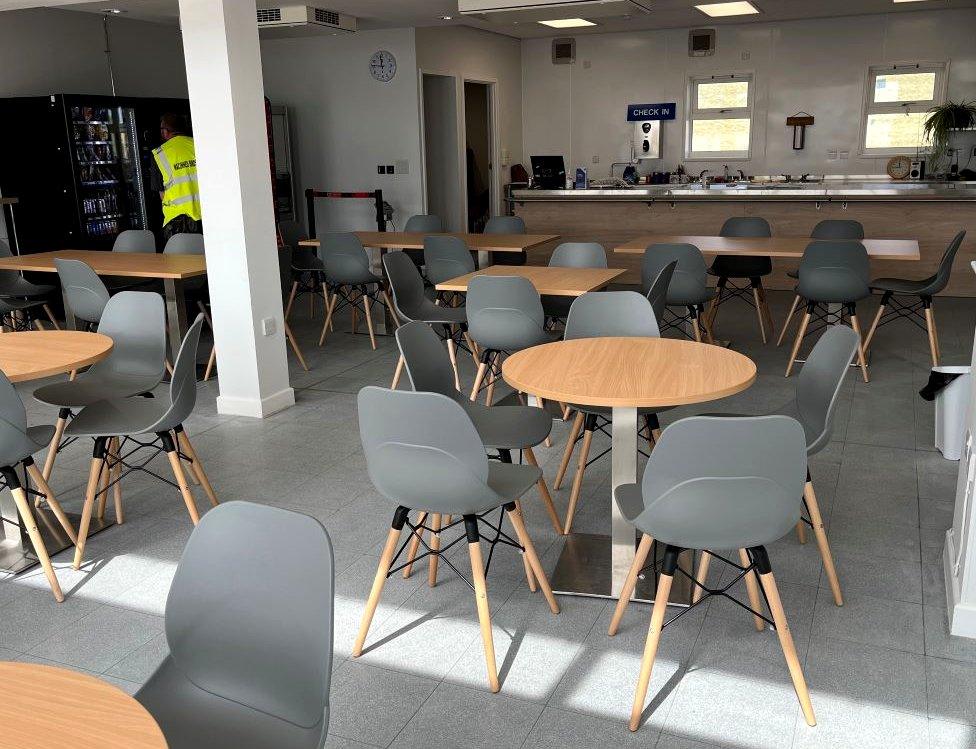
641	112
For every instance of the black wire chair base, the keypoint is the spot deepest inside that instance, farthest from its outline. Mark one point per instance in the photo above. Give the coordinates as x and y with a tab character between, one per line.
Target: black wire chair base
671	320
822	317
897	309
602	424
730	290
128	465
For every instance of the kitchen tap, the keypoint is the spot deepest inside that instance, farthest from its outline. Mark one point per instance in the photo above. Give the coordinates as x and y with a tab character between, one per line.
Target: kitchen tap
704	179
725	170
742	175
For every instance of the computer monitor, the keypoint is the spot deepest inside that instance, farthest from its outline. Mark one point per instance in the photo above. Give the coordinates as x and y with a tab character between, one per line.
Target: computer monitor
549	172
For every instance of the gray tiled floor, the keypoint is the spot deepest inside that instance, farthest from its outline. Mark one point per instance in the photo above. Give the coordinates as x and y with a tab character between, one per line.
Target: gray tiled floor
883	671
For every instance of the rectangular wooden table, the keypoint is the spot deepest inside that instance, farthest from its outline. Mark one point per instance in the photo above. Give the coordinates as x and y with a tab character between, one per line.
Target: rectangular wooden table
570	282
783	247
172	270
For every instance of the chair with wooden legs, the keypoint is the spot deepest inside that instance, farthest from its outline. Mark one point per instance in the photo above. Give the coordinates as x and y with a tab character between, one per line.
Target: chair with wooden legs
424	455
351	283
249	636
571	255
505	315
657	293
446	257
735	268
604	314
833	279
744	496
136	323
18	293
411	304
307	278
501	428
919	309
688	288
131	240
85	293
423	223
827	229
116	426
506	225
18	443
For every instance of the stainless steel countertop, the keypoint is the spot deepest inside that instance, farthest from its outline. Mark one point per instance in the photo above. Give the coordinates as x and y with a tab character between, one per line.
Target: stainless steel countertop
826	191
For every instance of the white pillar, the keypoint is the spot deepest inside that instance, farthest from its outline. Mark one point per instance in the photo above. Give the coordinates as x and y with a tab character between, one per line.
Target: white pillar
223	71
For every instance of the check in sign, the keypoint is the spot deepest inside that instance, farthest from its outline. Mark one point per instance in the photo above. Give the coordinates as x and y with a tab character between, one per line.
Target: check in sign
640	112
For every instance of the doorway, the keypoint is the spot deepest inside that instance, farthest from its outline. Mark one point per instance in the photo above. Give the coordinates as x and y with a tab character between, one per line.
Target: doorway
479	177
441	152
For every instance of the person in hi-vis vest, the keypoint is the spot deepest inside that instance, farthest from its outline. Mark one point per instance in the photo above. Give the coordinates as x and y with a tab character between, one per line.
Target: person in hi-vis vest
175	178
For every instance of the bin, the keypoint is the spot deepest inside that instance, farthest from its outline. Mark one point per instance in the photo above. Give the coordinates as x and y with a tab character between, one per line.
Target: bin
951	410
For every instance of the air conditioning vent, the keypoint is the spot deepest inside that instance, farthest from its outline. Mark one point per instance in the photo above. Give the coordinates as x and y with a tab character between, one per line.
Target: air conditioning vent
302	20
528	11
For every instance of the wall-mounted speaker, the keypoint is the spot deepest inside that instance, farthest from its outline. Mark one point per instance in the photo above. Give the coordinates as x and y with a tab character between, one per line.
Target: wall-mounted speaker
701	42
563	51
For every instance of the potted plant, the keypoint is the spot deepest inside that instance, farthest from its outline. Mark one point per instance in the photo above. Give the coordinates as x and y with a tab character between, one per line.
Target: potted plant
940	124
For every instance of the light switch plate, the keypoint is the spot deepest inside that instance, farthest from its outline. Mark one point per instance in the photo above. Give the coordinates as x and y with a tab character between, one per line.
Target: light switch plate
268	326
402	166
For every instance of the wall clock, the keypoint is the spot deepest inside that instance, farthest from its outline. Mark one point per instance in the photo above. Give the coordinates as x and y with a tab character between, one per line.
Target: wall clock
899	167
382	66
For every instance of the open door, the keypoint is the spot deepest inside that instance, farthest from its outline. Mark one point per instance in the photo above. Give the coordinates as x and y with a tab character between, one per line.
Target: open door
479	139
442	168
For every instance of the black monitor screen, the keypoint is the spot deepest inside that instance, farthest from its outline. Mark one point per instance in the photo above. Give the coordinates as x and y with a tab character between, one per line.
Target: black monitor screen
549	172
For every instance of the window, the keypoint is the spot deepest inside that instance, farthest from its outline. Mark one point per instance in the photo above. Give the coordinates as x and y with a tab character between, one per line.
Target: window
896	104
720	120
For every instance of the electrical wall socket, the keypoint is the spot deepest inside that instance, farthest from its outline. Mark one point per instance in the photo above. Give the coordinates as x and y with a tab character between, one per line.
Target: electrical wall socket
831	155
844	155
268	326
402	166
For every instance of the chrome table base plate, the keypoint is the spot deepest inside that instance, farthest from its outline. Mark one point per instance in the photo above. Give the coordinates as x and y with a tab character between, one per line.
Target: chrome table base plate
17	552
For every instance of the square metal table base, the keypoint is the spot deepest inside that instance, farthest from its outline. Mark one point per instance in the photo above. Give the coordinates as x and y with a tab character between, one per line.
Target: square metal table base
584	569
17	552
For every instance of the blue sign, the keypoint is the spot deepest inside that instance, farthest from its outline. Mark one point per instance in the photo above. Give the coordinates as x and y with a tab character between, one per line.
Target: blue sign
641	112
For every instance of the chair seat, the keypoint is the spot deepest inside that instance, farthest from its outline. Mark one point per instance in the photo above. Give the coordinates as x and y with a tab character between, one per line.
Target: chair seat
510	481
678	299
118	416
36	438
509	427
18	286
511	345
359	279
90	389
433	314
899	285
11	304
191	717
753	512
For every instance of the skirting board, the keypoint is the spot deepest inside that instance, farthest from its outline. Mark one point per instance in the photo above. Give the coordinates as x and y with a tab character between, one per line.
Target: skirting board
962	615
230	406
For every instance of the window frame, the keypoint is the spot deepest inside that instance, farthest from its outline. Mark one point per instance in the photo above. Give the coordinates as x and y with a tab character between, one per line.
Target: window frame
736	113
870	107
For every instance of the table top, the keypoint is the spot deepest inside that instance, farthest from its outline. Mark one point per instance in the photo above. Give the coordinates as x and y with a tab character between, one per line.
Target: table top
786	247
104	263
42	707
570	282
35	354
414	240
629	372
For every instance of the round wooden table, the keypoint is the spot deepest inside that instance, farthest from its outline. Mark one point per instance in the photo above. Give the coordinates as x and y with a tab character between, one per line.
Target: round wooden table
622	374
35	354
42	707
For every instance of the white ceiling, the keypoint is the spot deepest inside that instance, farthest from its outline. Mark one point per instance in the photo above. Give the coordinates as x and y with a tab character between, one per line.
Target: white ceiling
398	13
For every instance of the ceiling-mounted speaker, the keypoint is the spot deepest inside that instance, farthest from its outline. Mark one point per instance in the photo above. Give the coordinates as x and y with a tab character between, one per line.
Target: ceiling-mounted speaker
564	51
701	42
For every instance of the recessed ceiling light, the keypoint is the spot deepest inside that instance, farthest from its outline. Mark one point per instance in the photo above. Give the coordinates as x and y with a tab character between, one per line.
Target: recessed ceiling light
567	23
113	11
446	18
718	10
908	1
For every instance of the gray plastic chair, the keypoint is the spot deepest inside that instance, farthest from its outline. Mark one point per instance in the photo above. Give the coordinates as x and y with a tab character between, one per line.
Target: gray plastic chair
744	496
501	428
424	454
18	443
135	240
84	292
688	287
506	225
14	286
603	314
571	255
351	282
832	273
505	315
184	244
121	418
919	308
732	268
445	258
250	636
422	223
657	294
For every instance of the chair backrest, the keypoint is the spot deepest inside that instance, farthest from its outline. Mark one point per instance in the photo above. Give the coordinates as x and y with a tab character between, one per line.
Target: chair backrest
256	629
423	222
819	382
344	256
836	228
505	225
184	244
504	312
13	424
83	289
426	361
746	226
690	277
405	283
941	278
135	240
136	323
579	255
657	295
834	271
446	257
183	383
422	451
611	314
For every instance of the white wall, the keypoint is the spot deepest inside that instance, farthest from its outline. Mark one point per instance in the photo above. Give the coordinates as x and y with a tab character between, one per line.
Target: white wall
48	51
818	66
344	123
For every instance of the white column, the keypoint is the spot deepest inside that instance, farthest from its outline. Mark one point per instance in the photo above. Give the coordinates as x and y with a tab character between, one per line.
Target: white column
223	70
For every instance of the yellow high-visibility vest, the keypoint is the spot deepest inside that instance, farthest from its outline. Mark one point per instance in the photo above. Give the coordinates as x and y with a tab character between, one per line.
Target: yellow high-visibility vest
177	161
